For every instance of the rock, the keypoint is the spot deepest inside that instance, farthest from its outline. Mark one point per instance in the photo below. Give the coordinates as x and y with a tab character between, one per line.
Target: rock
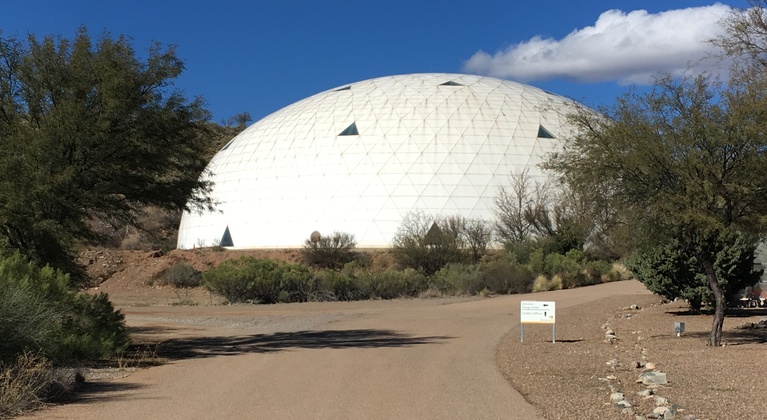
616	397
634	307
653	378
639	364
650	366
661	401
661	411
671	413
611	377
609	332
646	393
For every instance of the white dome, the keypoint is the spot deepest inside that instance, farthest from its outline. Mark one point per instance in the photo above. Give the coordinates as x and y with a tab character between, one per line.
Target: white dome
358	158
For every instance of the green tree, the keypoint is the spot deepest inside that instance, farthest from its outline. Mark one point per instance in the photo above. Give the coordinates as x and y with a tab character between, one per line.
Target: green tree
685	161
90	130
672	270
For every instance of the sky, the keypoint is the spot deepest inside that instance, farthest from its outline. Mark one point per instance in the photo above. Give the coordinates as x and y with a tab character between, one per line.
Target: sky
260	56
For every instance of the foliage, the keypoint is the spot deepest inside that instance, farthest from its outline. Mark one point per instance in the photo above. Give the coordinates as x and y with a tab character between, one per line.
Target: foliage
535	212
254	280
24	383
506	275
182	276
392	284
427	243
332	251
457	279
90	131
672	270
40	313
685	160
342	285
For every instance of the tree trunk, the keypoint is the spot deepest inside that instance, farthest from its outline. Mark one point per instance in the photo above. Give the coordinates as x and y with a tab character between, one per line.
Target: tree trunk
715	339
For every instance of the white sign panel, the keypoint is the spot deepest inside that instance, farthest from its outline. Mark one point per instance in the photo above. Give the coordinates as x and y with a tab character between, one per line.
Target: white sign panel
537	312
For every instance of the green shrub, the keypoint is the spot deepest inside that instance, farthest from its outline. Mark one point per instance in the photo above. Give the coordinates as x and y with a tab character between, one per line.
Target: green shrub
342	285
392	284
506	276
40	313
94	329
182	276
252	280
27	321
457	279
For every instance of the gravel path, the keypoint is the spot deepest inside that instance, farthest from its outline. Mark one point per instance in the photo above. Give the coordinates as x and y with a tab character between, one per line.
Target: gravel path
424	359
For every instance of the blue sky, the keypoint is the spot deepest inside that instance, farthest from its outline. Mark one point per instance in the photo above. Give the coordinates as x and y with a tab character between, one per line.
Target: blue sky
259	56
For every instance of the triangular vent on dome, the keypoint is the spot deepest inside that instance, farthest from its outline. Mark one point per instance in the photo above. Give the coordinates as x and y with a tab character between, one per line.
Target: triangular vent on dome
451	83
433	236
350	130
226	238
343	88
544	133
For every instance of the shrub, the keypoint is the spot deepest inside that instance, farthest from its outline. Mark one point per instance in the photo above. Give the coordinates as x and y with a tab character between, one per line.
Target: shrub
555	283
182	276
342	285
27	322
23	383
428	244
392	284
94	329
252	280
505	275
541	284
457	279
39	312
332	251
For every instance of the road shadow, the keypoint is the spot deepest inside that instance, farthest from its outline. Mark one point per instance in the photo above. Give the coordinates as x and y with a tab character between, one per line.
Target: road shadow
196	347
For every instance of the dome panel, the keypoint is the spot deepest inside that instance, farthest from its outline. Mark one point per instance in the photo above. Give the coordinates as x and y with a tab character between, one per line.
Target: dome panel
359	157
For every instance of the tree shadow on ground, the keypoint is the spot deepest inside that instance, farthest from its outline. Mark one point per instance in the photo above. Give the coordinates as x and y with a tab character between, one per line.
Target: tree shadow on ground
735	337
729	313
196	347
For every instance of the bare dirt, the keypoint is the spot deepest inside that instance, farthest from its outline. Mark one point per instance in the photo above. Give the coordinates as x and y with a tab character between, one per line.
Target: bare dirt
420	358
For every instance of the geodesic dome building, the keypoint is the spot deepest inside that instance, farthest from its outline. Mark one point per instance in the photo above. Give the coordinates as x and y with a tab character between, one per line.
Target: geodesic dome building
358	158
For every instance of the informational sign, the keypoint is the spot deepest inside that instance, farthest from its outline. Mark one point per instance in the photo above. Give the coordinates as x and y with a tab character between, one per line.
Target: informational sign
537	312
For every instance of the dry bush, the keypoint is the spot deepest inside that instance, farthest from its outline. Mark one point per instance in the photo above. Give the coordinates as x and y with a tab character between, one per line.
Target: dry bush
541	284
24	384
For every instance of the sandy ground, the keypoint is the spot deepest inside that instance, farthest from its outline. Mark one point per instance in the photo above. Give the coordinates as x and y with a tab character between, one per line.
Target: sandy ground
423	359
431	358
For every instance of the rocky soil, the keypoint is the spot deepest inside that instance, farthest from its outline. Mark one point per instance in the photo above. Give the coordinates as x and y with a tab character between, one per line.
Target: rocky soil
604	351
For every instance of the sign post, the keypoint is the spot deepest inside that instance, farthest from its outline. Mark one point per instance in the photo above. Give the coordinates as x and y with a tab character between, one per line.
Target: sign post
537	312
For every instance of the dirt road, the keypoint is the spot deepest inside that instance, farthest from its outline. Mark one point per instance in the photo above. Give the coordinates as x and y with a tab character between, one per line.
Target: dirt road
404	359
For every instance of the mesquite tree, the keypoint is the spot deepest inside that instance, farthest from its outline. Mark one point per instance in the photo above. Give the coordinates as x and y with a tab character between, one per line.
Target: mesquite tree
685	162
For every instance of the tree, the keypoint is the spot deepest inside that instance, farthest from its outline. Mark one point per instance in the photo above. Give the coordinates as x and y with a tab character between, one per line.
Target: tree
686	161
671	270
530	211
89	130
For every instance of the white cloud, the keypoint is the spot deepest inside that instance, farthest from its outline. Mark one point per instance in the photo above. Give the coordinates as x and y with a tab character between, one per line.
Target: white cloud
625	47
